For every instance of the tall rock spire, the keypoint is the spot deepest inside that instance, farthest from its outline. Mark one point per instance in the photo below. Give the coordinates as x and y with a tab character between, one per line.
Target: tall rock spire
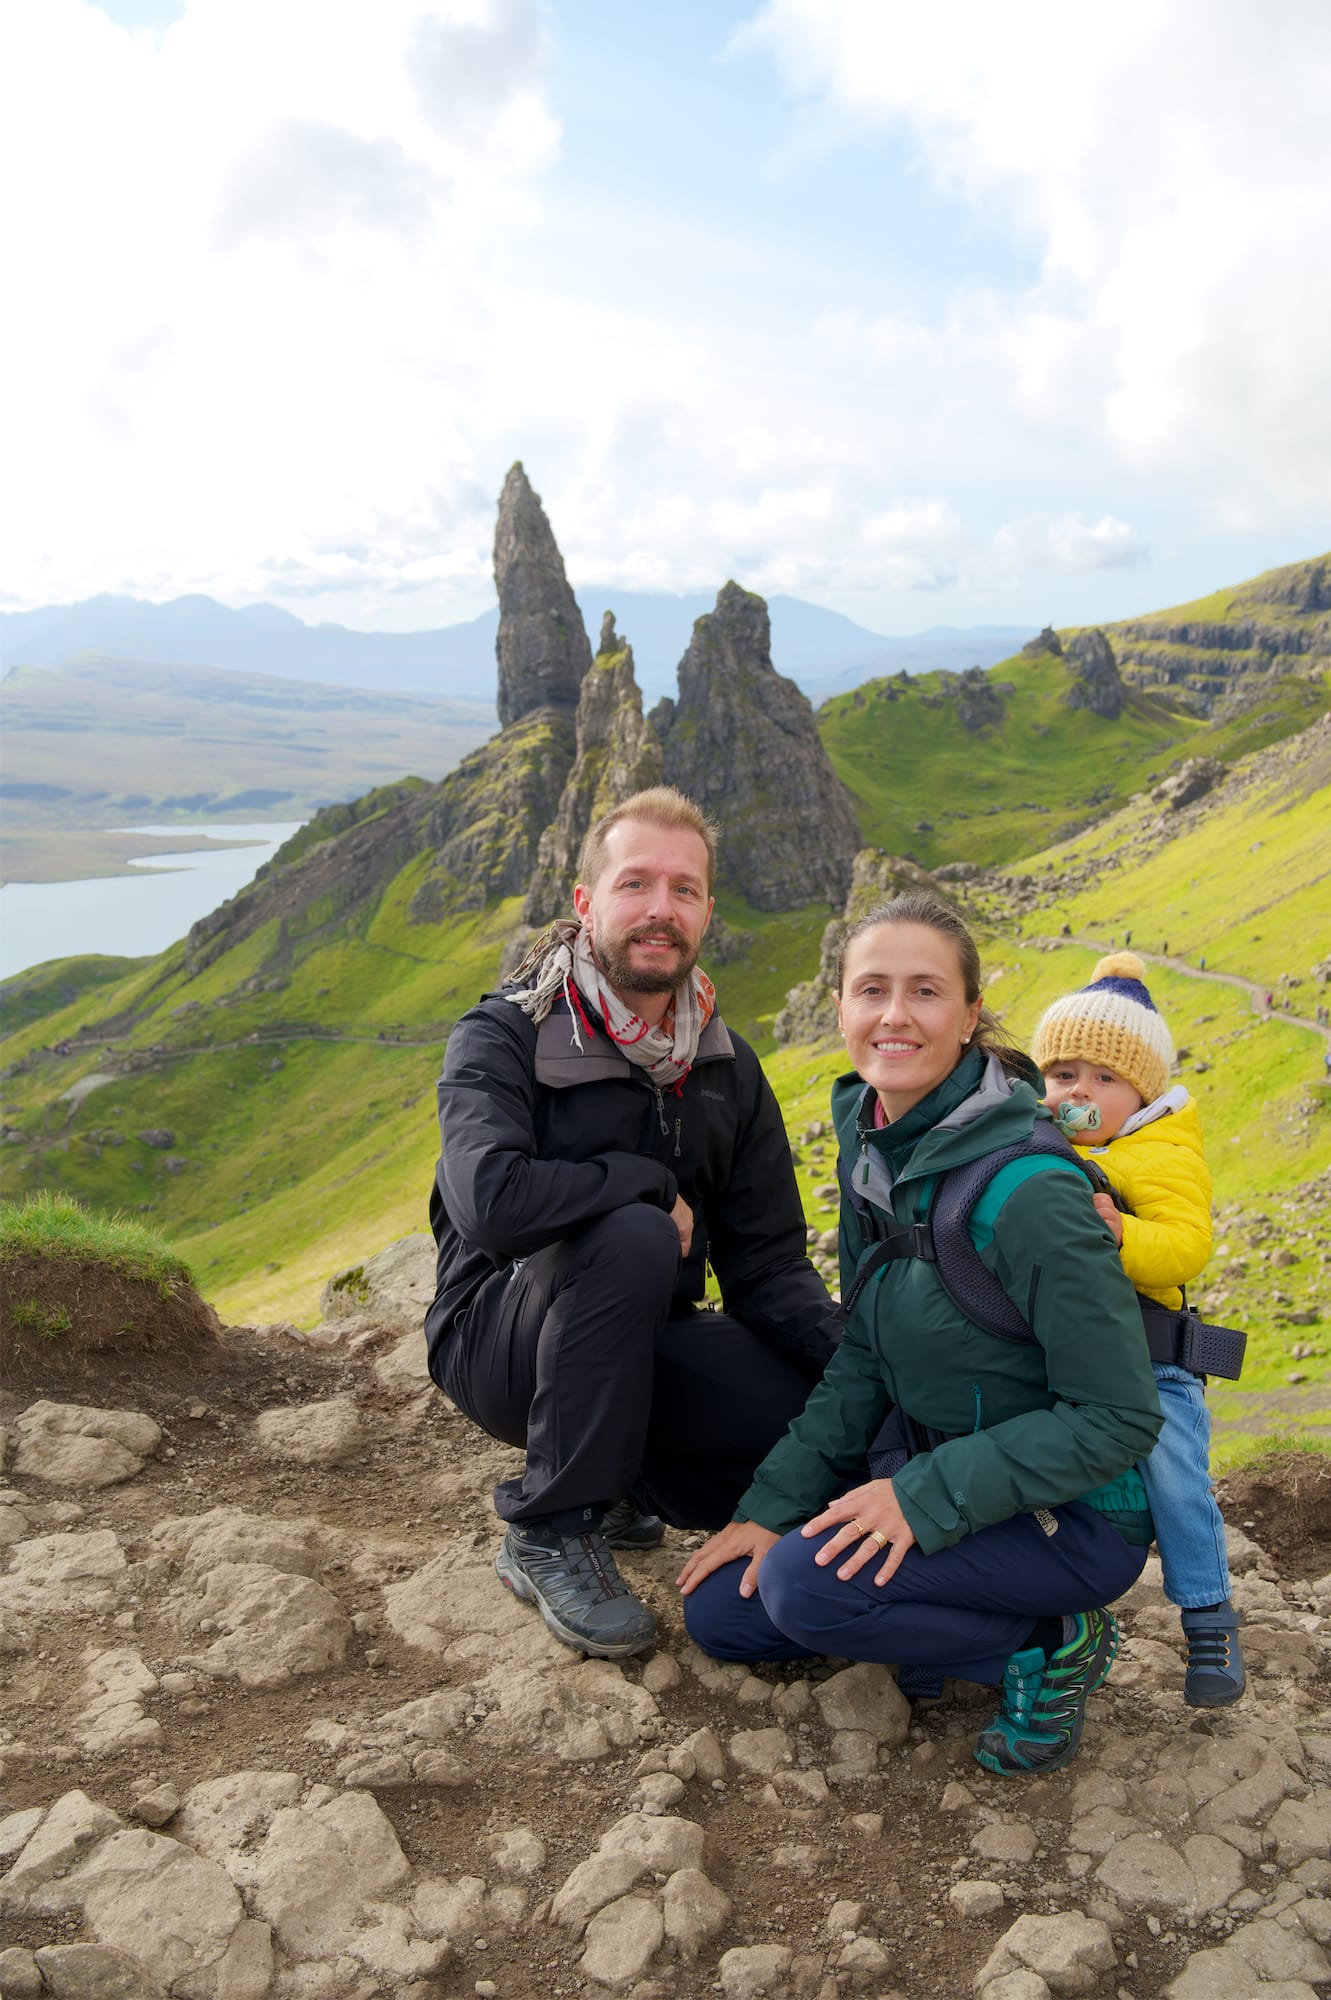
742	740
617	756
542	644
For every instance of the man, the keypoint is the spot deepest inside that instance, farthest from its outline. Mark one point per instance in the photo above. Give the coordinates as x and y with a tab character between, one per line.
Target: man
604	1138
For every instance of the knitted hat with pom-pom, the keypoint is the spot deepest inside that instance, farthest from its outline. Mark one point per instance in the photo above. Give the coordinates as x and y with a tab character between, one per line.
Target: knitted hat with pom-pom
1113	1021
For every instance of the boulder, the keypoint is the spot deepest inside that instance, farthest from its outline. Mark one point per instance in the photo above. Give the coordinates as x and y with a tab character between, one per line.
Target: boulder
69	1445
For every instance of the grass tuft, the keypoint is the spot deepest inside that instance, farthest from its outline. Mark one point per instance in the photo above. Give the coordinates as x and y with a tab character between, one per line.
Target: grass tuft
1271	1451
53	1225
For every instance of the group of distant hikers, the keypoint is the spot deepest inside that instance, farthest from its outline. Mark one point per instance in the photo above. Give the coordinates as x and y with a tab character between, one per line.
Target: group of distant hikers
957	1467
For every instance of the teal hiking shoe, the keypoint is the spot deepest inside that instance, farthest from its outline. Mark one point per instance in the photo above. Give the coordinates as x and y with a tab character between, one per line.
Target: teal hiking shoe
1038	1727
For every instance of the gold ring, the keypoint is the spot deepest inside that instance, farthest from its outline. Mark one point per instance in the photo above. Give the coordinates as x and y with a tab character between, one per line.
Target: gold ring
876	1535
859	1527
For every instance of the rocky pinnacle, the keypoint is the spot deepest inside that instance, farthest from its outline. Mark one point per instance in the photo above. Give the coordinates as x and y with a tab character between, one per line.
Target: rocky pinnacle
542	645
743	741
1096	682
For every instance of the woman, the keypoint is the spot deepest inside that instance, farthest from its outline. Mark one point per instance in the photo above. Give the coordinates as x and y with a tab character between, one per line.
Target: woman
1006	1512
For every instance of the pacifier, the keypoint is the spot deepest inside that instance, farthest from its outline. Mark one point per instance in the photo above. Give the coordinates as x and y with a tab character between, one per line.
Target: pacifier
1072	1118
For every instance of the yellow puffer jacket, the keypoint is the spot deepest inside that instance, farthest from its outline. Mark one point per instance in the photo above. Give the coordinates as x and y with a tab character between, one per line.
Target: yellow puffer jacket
1161	1173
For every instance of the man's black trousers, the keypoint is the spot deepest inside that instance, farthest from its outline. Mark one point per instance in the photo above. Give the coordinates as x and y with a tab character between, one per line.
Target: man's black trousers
583	1355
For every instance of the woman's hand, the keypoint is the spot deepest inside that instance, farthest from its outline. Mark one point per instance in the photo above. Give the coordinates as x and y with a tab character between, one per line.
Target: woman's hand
869	1521
739	1538
1103	1204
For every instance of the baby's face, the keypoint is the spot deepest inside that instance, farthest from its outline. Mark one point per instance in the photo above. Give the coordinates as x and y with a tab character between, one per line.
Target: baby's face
1099	1100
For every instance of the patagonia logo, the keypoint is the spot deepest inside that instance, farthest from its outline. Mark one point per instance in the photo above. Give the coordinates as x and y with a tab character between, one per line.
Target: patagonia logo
717	1096
1048	1521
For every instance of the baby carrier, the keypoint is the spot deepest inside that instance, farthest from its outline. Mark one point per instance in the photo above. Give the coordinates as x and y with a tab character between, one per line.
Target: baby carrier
1181	1338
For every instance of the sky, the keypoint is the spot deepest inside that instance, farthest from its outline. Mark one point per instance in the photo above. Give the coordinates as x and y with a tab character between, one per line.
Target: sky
952	315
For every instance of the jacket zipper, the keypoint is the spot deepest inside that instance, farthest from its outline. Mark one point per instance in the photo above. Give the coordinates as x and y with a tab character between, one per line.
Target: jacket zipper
664	1122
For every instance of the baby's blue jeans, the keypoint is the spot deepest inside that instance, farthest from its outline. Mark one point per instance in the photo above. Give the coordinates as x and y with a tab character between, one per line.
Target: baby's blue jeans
1189	1531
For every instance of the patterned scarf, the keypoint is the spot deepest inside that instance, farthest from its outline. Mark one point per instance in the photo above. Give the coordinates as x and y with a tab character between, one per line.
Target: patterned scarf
561	961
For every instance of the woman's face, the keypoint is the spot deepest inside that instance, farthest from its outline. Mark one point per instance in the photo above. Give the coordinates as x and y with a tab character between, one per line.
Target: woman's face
903	1011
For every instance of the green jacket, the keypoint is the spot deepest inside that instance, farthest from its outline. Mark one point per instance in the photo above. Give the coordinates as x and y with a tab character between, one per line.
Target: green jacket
1029	1424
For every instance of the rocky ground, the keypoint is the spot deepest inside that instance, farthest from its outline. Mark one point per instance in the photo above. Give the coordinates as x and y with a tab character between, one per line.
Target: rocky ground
271	1727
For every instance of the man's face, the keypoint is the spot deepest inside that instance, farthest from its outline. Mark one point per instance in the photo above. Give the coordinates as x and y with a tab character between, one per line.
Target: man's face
648	908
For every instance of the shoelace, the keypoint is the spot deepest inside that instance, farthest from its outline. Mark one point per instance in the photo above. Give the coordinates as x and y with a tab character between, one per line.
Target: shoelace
594	1563
1020	1693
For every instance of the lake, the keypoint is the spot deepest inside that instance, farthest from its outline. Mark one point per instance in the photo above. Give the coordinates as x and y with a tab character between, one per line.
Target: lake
131	916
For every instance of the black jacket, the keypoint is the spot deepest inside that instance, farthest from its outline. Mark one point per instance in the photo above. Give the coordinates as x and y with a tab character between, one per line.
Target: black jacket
539	1138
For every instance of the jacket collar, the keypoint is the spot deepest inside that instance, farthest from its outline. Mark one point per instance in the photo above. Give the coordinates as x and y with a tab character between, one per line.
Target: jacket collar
976	1109
560	1063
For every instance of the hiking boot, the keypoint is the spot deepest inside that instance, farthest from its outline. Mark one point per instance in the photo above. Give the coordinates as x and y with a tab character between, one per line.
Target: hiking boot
1039	1725
1215	1675
573	1582
626	1526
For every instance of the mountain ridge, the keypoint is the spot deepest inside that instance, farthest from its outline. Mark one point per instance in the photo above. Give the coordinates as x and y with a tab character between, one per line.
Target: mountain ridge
812	644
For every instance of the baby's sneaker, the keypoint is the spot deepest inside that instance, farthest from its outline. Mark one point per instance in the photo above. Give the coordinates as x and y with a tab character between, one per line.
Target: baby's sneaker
1215	1675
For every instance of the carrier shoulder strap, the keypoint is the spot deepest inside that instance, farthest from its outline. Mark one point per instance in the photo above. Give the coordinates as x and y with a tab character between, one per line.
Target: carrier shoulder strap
945	1240
962	1272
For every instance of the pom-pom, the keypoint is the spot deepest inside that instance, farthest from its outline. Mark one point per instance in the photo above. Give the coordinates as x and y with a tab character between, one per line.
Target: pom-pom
1119	965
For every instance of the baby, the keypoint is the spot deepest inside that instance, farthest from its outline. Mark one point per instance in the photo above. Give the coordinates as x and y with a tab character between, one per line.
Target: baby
1106	1055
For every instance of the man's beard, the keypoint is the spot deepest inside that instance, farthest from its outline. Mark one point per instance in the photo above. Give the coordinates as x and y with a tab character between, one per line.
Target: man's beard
612	955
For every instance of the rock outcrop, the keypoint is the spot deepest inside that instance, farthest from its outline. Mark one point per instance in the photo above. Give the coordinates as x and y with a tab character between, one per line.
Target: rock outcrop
809	1014
742	740
1305	586
1195	777
542	645
617	754
1046	642
510	819
1096	681
978	696
484	822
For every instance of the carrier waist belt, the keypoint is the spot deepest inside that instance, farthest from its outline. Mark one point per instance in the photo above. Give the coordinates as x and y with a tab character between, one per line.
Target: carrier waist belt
1182	1339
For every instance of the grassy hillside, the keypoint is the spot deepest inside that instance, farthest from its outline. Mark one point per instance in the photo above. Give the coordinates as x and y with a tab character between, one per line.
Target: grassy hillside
927	786
1242	879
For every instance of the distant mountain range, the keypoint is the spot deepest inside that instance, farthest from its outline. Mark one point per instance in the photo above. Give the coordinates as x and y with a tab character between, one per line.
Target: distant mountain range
824	652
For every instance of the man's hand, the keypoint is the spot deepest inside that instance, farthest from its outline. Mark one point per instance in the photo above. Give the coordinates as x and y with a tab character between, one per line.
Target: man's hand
1105	1209
740	1538
868	1520
682	1217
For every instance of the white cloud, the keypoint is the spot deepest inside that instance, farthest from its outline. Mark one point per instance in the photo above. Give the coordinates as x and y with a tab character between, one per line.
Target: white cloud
278	321
249	296
1173	167
1067	541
